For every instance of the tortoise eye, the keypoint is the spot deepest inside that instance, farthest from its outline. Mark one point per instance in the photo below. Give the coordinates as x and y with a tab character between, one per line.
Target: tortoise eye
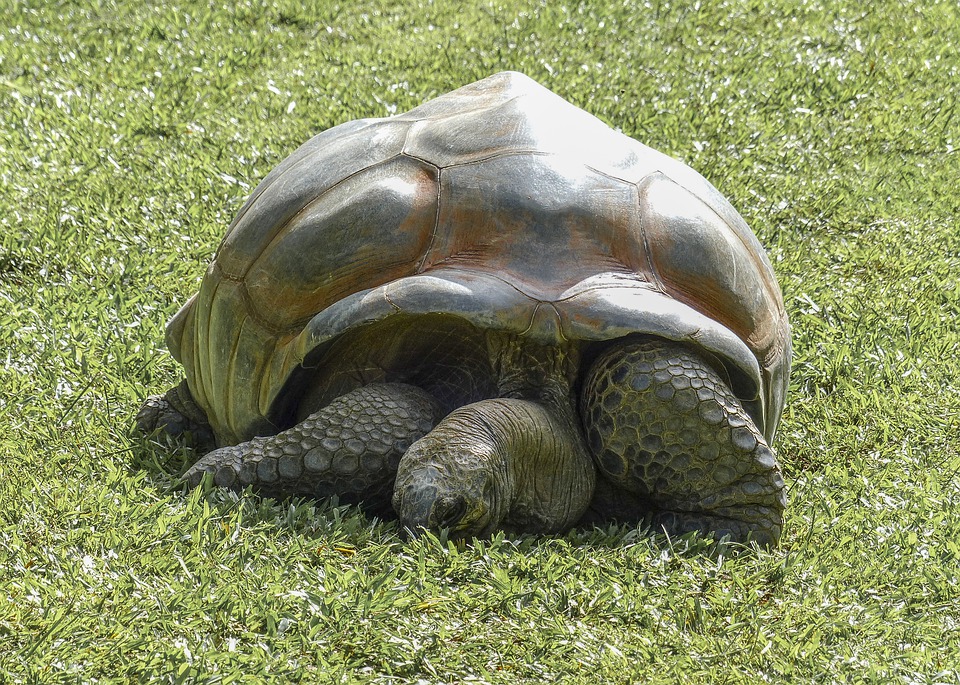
448	511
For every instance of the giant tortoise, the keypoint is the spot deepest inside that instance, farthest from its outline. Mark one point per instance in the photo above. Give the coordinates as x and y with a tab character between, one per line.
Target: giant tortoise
490	312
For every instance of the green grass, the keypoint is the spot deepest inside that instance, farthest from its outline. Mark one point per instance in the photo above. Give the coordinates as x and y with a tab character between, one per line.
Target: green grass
130	135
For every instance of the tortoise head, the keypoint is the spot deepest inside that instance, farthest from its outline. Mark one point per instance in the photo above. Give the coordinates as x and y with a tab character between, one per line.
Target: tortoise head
451	482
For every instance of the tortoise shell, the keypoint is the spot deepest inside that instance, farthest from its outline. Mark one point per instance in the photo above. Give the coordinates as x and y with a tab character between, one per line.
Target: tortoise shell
500	204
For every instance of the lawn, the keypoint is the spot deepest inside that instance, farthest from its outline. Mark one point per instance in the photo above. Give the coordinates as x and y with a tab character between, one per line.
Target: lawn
131	133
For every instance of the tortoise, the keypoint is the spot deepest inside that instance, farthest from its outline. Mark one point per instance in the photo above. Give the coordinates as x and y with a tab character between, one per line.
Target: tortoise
490	312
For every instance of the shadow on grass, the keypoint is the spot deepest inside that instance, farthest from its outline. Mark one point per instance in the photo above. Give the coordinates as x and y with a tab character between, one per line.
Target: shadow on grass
164	458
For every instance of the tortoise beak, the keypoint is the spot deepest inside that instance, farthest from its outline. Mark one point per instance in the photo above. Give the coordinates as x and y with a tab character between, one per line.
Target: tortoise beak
424	508
428	498
414	506
425	504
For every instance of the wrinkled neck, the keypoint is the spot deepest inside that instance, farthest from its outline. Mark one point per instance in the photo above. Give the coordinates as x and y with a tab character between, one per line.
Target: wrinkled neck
516	464
518	461
525	369
548	466
547	476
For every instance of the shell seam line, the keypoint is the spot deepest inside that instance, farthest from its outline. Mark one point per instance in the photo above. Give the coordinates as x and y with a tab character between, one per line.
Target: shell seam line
254	313
263	374
386	296
783	335
259	191
533	317
208	352
766	357
612	177
436	218
766	273
611	286
444	117
657	281
527	151
500	155
228	401
251	309
490	275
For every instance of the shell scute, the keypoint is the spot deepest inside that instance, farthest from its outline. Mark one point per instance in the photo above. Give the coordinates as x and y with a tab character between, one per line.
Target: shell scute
370	229
723	277
245	346
318	166
515	114
521	215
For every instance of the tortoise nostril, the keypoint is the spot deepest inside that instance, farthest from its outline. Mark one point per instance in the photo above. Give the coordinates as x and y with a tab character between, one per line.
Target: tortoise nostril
448	511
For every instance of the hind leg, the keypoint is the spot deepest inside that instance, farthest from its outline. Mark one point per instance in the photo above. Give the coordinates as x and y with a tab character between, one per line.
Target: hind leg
176	414
663	425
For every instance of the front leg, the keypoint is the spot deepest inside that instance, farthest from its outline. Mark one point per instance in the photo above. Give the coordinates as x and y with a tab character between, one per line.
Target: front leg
663	425
350	448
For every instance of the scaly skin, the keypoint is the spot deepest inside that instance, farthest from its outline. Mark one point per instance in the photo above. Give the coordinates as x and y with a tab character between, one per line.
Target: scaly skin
350	448
673	444
664	426
517	462
178	415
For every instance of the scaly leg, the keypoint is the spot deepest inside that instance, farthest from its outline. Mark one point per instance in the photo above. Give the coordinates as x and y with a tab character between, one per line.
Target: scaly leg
663	425
350	448
176	414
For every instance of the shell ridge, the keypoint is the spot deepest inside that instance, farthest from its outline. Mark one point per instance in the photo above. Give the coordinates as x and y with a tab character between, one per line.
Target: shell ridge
762	266
481	272
254	314
195	372
188	347
443	116
176	328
